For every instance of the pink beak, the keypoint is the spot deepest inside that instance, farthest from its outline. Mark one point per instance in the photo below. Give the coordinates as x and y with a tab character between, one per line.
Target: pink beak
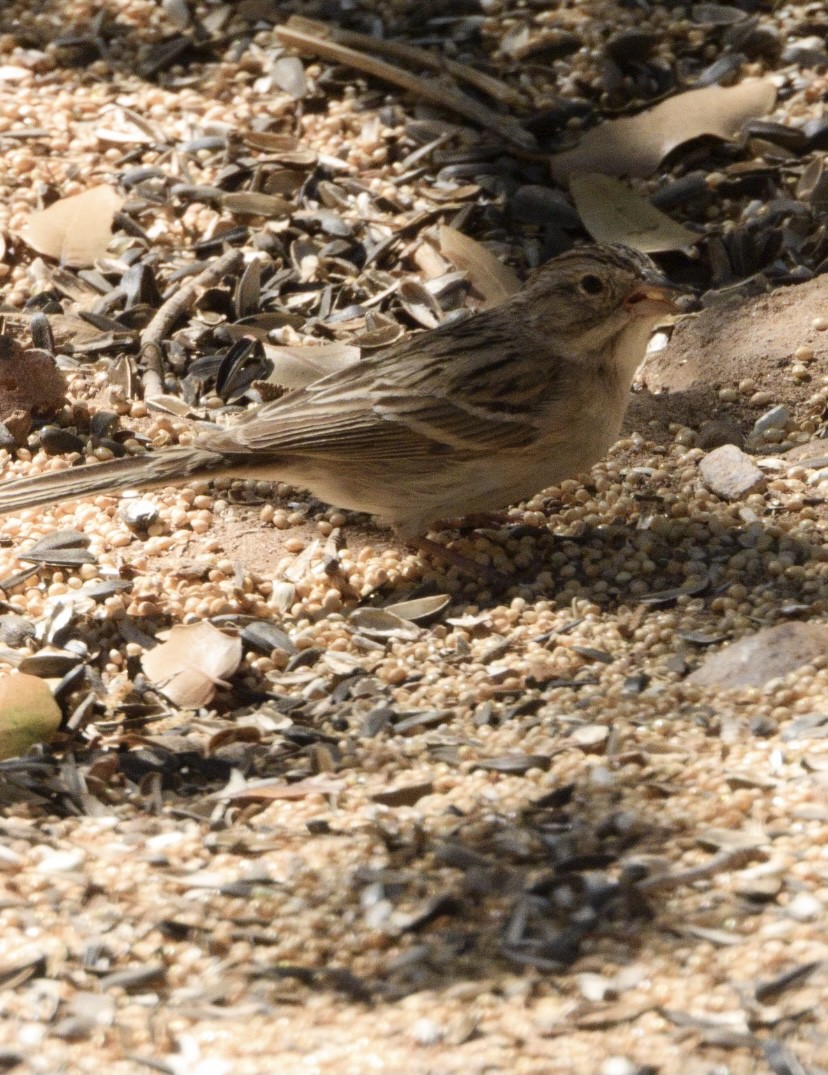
646	299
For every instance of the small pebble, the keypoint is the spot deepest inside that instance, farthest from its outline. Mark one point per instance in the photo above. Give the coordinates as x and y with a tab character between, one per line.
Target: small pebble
805	908
618	1065
139	514
61	861
729	473
427	1032
778	417
594	987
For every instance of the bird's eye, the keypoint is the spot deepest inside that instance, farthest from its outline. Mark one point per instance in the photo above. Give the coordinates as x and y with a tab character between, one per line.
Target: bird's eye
592	284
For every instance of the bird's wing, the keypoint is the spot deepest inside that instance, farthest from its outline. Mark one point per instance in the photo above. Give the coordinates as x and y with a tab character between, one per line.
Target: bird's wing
386	427
409	403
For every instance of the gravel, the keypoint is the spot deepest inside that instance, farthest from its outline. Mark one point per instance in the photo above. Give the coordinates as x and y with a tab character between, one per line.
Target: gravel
506	834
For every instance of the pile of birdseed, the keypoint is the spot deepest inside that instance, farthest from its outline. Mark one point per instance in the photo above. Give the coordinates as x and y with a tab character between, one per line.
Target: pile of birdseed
515	827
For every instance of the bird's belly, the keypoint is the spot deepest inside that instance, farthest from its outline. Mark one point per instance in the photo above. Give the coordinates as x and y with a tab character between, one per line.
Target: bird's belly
503	481
411	502
412	496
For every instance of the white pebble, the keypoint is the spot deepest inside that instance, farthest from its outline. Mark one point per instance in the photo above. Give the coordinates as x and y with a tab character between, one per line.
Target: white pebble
61	861
618	1065
805	908
427	1032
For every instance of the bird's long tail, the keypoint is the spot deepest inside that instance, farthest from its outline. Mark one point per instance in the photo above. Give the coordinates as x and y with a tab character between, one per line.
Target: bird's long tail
167	467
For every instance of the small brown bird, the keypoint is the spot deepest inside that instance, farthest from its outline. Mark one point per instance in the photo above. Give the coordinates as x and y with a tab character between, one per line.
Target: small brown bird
463	419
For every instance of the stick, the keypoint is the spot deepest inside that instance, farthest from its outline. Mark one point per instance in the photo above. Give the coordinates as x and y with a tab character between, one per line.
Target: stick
434	92
733	859
411	54
152	354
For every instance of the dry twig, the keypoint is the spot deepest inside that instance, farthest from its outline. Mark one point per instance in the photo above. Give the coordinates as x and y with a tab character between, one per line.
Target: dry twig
152	354
435	93
410	54
732	859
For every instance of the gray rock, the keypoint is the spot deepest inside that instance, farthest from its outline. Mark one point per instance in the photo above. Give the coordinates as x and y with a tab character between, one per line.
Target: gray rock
729	473
776	418
769	653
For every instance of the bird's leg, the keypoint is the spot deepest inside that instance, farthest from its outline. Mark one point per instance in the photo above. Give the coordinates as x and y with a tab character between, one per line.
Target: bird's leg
495	579
484	520
446	554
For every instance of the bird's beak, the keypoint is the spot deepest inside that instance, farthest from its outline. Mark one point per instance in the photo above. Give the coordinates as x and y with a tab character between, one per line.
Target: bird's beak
648	298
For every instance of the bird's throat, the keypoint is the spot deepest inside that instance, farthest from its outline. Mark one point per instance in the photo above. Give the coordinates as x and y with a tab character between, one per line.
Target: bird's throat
630	346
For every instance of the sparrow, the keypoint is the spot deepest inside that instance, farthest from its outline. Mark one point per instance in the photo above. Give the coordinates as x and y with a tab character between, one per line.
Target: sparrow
461	420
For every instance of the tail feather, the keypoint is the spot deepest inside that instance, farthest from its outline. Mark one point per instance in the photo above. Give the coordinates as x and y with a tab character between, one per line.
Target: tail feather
167	467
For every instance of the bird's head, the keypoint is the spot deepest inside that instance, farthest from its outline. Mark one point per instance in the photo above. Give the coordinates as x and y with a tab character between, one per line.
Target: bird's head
588	296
